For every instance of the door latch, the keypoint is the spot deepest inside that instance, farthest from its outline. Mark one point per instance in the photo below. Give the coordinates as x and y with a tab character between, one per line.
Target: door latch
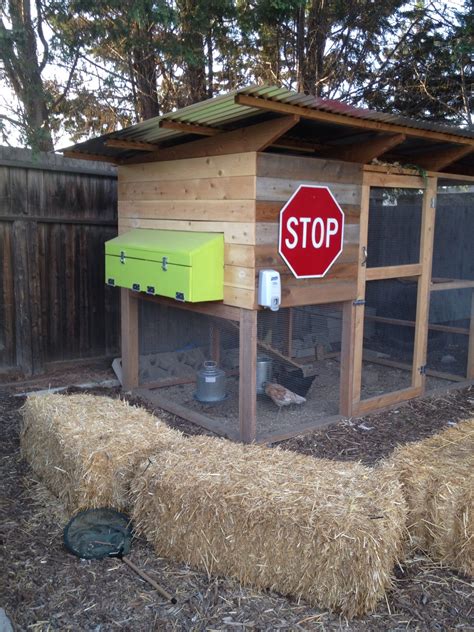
364	255
122	256
164	263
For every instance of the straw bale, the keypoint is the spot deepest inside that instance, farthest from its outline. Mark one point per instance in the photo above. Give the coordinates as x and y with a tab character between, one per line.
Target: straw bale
85	448
437	477
323	530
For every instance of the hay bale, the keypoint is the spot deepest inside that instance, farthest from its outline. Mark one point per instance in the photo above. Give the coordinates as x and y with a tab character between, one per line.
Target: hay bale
85	448
437	477
323	530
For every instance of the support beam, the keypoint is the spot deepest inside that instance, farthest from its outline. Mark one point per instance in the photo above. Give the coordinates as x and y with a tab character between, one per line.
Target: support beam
366	151
189	128
253	138
248	376
439	159
129	333
346	119
347	358
95	157
132	145
424	283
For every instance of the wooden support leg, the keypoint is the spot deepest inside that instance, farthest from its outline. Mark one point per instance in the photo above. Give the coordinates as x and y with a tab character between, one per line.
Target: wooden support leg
470	355
347	359
424	283
130	349
248	376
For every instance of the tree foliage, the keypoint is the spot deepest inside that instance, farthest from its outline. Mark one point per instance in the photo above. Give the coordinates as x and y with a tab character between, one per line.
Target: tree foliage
86	67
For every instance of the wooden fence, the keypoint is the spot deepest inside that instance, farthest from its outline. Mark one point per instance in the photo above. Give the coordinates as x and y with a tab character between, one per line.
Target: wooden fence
55	214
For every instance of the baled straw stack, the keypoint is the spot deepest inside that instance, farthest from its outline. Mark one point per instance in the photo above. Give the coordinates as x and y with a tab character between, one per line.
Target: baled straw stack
437	476
322	530
85	448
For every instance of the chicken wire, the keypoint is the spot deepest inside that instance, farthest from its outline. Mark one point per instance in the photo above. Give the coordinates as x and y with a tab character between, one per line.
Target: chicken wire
389	336
453	259
394	226
302	346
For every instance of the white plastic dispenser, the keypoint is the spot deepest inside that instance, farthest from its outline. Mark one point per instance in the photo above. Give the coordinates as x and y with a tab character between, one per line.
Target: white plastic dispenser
269	289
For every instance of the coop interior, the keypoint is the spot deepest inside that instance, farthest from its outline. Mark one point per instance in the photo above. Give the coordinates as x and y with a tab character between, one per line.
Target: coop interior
192	361
395	217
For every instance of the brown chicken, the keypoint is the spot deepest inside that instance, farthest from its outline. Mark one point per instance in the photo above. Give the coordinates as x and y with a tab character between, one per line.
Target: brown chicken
282	396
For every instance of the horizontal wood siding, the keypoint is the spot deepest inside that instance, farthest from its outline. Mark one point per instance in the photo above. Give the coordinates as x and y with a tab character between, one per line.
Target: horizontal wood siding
211	194
55	216
241	196
278	177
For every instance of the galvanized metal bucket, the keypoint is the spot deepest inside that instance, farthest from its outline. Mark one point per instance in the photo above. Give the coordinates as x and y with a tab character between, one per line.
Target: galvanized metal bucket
210	383
264	372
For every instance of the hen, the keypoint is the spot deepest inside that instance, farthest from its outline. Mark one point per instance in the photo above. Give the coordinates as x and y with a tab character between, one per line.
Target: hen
282	396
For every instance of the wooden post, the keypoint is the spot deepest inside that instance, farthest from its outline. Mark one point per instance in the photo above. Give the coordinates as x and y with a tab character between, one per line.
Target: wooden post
248	375
424	282
358	348
470	355
130	348
347	358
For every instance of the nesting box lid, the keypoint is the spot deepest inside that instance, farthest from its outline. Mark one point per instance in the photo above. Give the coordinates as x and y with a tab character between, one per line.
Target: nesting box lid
179	247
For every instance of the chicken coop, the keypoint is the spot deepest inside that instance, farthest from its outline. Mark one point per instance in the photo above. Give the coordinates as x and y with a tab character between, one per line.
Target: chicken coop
203	196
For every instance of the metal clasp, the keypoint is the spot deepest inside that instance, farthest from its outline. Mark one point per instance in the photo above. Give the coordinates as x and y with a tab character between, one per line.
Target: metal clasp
164	263
364	254
122	256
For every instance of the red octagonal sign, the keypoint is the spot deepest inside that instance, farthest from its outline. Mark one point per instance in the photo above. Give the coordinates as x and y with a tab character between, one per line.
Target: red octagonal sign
311	231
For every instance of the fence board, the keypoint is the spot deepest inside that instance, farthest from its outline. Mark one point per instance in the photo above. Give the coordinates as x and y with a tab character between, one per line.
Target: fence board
54	219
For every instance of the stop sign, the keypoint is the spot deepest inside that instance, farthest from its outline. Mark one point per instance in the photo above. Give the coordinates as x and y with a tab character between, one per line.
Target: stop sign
311	231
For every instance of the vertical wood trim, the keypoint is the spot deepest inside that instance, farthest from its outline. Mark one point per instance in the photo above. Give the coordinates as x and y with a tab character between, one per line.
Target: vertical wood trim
424	282
347	358
130	349
360	310
248	375
470	355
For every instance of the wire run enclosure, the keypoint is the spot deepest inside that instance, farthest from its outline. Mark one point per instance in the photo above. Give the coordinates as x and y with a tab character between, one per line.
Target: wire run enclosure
392	318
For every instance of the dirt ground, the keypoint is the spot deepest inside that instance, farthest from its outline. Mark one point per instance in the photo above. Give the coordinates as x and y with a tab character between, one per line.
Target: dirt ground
44	588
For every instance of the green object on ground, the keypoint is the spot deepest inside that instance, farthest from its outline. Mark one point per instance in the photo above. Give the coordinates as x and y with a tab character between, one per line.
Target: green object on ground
97	533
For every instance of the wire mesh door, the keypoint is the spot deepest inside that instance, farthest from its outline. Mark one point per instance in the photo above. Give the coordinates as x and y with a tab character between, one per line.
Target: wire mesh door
394	291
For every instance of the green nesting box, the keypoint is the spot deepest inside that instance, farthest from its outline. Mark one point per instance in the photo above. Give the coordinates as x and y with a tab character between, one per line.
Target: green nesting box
186	266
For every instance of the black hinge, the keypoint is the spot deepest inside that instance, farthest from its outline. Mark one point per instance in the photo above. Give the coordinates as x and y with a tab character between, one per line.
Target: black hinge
422	369
180	296
359	301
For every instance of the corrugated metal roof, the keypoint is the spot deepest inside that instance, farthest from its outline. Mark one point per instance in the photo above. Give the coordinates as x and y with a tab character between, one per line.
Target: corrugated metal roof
223	111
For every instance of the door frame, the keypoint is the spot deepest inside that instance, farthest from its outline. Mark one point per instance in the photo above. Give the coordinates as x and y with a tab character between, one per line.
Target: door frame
351	403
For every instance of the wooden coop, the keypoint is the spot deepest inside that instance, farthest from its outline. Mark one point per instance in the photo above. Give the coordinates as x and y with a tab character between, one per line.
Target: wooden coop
392	318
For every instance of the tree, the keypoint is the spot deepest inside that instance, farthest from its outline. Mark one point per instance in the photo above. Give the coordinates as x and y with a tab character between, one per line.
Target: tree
428	74
20	33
